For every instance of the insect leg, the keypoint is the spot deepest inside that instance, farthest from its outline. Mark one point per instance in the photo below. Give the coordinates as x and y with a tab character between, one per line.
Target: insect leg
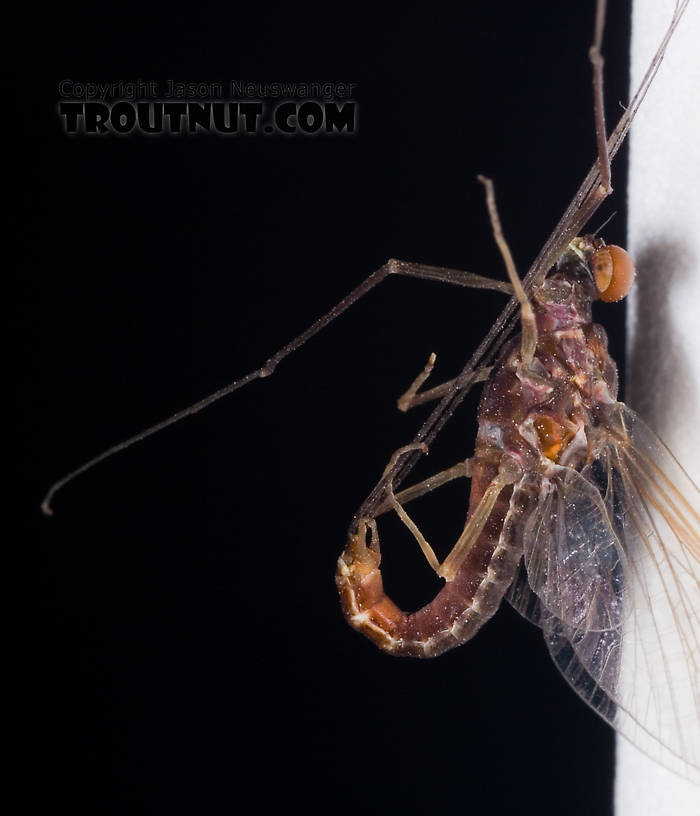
473	527
444	274
458	471
391	267
596	57
411	397
527	316
462	469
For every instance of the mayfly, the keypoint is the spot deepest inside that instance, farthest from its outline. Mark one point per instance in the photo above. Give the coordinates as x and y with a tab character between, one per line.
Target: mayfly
574	502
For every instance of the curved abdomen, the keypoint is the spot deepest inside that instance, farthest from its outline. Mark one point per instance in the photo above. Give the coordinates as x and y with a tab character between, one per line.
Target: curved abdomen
461	607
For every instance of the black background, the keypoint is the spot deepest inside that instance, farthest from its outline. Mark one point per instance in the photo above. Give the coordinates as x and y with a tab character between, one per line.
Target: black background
183	643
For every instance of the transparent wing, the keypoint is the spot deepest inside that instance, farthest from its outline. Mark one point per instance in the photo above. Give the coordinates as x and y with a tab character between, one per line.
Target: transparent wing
641	671
605	645
575	563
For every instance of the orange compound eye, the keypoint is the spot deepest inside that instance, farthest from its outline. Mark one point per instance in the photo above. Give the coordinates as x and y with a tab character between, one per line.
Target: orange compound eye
613	271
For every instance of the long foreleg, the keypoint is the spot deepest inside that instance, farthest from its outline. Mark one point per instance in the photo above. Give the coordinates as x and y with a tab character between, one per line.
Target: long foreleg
391	267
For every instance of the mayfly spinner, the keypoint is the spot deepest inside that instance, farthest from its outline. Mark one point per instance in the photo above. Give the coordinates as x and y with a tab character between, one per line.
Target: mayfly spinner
577	513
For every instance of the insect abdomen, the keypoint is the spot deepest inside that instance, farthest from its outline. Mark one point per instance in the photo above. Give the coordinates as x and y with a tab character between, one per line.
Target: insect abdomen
457	611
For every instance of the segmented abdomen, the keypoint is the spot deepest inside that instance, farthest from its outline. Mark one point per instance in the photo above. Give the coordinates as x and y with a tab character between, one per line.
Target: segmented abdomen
460	608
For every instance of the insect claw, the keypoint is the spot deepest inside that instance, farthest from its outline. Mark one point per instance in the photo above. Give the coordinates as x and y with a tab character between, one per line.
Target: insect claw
360	552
